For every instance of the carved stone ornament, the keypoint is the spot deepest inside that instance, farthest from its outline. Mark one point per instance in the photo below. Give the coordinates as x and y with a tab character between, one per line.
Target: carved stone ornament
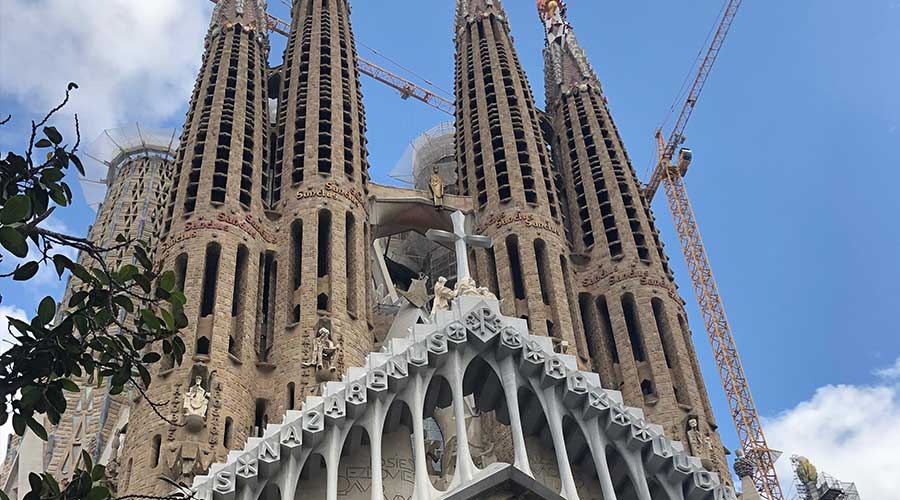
323	355
442	296
196	400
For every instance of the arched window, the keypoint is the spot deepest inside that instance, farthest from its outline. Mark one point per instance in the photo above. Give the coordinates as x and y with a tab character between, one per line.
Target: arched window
202	347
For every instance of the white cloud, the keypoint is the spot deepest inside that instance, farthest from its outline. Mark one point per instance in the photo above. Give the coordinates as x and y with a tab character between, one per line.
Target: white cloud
891	372
849	432
133	60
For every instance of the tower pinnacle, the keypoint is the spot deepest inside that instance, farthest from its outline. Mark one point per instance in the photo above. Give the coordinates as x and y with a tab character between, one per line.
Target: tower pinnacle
566	64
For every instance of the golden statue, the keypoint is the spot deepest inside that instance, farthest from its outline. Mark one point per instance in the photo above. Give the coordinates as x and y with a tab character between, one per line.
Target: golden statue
806	471
436	184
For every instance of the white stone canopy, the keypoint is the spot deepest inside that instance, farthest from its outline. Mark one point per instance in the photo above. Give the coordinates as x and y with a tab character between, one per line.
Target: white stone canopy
646	464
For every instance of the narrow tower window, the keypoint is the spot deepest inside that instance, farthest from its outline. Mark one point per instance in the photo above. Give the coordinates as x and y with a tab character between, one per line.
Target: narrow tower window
606	325
632	323
543	269
515	266
266	313
210	276
181	263
154	453
291	396
350	246
226	434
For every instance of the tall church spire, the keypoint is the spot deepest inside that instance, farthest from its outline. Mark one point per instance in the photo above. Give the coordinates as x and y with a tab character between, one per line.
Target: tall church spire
634	320
213	231
504	166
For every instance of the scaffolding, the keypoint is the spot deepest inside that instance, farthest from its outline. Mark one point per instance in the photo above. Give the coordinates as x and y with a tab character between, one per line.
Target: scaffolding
433	148
114	148
821	486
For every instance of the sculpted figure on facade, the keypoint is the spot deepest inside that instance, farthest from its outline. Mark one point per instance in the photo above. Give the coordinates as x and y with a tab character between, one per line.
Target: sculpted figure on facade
436	185
196	400
323	354
442	296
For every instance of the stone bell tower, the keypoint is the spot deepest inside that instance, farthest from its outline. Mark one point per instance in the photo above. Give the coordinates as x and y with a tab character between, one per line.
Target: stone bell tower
321	160
504	166
633	317
212	233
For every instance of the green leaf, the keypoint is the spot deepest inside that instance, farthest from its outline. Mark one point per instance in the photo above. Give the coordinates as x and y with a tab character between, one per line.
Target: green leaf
19	424
150	319
37	428
167	281
46	310
35	482
17	208
53	134
77	161
69	385
98	493
13	241
127	272
124	302
77	298
43	143
61	262
39	199
98	473
151	357
52	175
26	272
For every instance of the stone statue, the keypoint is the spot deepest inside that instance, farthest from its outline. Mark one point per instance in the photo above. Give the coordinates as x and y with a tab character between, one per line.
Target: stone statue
324	350
466	286
436	184
442	296
806	471
695	439
196	399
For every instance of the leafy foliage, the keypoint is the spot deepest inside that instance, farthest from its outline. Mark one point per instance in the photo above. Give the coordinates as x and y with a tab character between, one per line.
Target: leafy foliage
111	329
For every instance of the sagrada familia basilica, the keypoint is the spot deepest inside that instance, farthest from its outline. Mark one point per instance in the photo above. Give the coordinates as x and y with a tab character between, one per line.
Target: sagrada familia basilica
505	326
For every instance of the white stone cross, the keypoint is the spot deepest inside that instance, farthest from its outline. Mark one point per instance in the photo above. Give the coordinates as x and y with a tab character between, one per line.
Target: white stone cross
460	240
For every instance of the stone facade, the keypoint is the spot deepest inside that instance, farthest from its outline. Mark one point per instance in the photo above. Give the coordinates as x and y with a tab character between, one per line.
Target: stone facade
268	225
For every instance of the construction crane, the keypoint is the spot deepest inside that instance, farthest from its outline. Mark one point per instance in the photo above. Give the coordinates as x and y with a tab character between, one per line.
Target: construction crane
670	176
406	88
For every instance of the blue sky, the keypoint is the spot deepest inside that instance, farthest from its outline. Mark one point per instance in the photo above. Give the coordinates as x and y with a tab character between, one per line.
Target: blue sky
795	164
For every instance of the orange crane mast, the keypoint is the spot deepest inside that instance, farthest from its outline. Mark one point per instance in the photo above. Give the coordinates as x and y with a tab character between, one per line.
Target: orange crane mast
406	88
728	362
